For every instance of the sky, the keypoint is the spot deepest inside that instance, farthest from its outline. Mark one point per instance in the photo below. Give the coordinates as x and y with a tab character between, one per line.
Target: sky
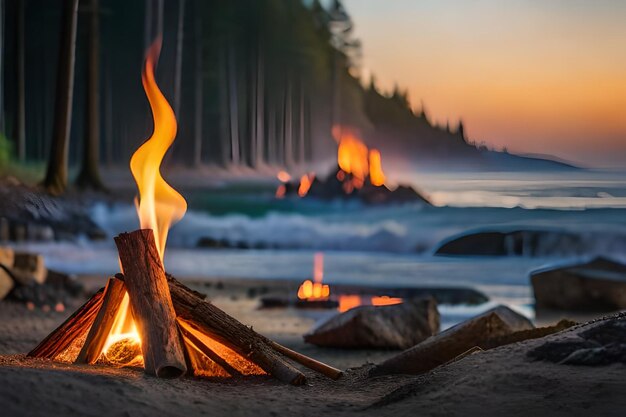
535	76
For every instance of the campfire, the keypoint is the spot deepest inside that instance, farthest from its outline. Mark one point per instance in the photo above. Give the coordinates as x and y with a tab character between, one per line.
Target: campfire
359	175
144	317
316	294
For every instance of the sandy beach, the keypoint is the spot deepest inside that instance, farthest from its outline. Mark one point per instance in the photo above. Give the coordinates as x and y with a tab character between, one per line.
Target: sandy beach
503	381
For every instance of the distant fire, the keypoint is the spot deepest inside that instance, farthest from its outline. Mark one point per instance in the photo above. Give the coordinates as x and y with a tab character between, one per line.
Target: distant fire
315	290
357	160
305	184
348	302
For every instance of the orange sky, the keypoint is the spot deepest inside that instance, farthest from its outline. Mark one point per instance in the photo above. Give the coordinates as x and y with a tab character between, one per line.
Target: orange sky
534	76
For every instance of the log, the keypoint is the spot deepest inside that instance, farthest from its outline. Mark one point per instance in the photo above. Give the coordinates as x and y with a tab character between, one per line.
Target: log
215	323
443	347
151	304
322	368
208	352
7	281
114	293
74	327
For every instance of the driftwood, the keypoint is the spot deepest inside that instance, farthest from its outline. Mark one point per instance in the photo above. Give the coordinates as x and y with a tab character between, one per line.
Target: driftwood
96	338
310	363
151	304
440	349
77	325
32	265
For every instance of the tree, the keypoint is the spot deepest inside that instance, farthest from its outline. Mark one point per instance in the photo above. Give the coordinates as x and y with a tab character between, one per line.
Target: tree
20	71
56	176
89	176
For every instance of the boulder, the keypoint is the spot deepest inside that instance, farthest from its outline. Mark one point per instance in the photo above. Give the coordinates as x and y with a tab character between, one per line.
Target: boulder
30	266
597	343
384	327
448	345
529	242
597	285
6	280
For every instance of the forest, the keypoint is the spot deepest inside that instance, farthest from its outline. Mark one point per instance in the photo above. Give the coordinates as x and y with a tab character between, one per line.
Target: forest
251	83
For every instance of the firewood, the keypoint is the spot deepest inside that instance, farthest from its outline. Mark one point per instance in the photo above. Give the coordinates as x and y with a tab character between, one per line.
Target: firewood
197	343
151	304
322	368
74	327
114	293
210	320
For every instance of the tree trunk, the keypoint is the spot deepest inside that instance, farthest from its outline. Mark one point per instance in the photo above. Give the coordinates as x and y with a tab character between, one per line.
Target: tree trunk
56	176
178	69
89	176
2	126
20	113
260	109
199	93
234	106
223	108
288	153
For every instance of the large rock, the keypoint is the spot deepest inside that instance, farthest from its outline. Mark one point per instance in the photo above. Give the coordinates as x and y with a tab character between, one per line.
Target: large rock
7	257
437	350
529	242
598	285
385	327
30	266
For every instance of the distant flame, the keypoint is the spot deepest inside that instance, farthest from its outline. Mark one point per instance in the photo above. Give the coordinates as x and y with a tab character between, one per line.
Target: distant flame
305	184
159	204
348	302
283	176
357	160
315	290
377	176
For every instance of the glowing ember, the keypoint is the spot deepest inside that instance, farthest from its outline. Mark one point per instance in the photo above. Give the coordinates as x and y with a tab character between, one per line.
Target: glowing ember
348	302
385	301
158	204
305	184
281	191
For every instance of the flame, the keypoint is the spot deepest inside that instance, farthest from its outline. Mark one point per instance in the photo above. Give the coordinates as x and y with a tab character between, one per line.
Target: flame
305	184
356	161
281	191
283	176
348	302
385	301
315	290
377	176
159	204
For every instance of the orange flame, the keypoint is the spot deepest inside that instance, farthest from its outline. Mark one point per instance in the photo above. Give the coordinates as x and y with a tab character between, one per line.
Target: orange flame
283	176
354	158
315	290
305	184
377	176
159	204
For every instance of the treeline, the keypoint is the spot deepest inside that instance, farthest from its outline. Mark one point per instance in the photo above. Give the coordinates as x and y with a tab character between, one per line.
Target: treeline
251	82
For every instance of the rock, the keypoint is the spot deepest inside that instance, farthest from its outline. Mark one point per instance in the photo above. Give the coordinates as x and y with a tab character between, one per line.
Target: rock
6	282
603	343
540	242
30	264
446	346
598	285
7	256
386	327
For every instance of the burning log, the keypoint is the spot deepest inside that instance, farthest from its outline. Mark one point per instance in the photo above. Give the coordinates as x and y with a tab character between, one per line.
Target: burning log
151	304
73	328
96	338
215	323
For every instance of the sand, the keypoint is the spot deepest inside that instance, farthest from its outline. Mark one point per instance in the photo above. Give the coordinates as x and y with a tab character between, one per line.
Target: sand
500	382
